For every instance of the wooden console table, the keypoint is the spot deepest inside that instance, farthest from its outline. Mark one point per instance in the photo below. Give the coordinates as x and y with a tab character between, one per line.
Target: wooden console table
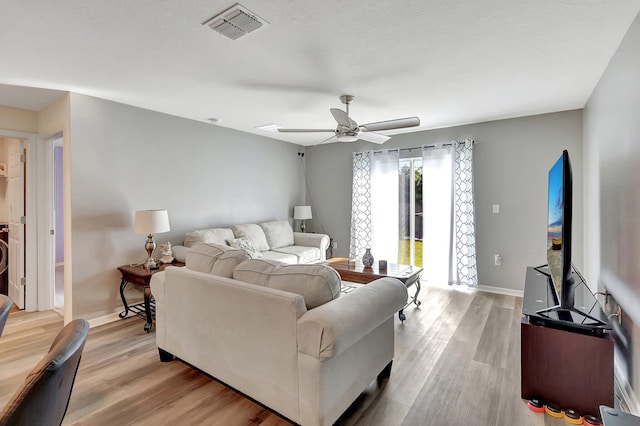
566	365
138	275
357	273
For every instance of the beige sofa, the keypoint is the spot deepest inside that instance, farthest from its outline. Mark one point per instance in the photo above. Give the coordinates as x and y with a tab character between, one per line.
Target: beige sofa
274	240
282	334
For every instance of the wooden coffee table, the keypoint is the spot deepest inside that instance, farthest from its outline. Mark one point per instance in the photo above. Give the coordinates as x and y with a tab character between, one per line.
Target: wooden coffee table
357	273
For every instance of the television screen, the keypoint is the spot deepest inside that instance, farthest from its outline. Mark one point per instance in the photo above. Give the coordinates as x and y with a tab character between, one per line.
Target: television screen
554	226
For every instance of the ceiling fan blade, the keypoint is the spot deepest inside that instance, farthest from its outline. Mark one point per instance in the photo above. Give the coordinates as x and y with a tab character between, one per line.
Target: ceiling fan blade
399	123
332	139
343	119
373	137
306	130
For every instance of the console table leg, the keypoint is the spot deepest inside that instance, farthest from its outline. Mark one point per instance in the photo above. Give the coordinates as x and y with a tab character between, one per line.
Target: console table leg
124	313
147	309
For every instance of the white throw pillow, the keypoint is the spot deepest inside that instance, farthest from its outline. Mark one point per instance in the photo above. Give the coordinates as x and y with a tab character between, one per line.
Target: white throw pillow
246	245
253	233
278	233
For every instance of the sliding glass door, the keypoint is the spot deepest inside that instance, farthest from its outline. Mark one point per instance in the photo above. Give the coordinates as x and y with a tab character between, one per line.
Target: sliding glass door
410	212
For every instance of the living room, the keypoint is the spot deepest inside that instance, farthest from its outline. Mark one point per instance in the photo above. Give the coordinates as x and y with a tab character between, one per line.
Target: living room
124	158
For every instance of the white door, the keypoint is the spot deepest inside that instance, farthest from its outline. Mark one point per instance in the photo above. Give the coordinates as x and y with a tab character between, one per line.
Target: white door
15	194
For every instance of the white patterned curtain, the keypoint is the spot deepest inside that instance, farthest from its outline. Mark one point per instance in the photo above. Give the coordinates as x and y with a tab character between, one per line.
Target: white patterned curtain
375	205
448	246
360	205
464	216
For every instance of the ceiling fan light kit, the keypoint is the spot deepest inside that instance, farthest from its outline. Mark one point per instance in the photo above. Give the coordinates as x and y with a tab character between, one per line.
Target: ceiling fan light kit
348	130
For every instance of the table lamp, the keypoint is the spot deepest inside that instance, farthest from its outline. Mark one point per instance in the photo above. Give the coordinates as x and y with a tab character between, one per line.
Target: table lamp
151	222
301	213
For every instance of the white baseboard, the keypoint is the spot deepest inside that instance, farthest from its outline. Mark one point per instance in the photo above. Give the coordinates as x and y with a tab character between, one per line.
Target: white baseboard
501	290
105	319
624	391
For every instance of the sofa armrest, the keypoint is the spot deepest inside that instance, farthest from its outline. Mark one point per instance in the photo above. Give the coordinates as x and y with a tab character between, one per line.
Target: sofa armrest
320	241
157	285
329	329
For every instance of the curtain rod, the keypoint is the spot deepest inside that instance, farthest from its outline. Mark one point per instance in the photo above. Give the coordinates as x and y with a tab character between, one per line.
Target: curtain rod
435	145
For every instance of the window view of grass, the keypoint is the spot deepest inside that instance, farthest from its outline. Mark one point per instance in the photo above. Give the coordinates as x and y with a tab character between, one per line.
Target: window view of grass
410	213
404	253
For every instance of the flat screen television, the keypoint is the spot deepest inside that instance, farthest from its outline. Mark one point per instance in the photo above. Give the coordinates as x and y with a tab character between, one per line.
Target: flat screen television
583	311
559	216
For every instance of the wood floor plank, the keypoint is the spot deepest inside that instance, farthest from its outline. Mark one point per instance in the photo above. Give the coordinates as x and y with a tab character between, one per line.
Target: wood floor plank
492	348
457	361
479	399
412	369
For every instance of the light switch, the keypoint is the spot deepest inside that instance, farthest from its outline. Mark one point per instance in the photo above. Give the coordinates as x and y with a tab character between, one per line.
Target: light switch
496	208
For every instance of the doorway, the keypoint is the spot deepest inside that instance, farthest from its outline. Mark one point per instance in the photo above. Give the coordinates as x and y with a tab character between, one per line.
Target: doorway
12	216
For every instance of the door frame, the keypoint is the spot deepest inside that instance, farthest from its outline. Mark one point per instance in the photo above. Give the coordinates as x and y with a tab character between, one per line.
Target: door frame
31	236
45	199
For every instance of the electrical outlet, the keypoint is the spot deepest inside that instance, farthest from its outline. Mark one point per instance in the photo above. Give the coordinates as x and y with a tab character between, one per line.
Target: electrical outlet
334	244
497	260
496	208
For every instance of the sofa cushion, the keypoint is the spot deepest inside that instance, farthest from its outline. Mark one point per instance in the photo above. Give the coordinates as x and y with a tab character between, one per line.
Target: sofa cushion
290	259
215	259
253	233
278	233
318	284
246	245
212	235
304	254
255	271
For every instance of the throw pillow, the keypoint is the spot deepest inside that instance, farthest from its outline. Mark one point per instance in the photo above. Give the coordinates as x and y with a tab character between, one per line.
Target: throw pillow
279	233
253	233
246	245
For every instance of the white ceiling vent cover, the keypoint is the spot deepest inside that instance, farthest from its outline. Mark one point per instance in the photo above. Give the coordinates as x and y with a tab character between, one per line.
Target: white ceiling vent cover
235	22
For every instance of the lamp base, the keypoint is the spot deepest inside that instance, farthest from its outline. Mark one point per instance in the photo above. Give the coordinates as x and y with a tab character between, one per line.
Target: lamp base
302	225
150	246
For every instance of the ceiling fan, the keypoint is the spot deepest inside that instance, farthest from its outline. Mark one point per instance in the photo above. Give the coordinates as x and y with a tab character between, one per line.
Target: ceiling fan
349	131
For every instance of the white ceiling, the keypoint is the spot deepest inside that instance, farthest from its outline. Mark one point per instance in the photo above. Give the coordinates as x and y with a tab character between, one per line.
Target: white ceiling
448	62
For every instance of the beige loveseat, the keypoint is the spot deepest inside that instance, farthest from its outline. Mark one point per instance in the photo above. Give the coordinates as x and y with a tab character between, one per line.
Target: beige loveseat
273	240
282	334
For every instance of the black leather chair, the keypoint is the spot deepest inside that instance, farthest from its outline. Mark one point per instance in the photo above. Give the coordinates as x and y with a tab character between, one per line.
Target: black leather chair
44	396
5	307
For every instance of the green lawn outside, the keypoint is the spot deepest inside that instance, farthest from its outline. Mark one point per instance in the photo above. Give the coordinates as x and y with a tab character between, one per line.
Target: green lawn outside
404	253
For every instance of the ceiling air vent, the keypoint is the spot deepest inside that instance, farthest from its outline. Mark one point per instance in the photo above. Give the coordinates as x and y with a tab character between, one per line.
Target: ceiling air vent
235	22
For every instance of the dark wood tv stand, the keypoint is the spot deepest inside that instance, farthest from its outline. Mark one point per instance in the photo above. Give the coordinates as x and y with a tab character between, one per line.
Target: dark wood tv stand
569	368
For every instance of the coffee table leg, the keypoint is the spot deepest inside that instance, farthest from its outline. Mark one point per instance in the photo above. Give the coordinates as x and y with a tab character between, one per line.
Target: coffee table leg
414	300
147	309
415	296
124	313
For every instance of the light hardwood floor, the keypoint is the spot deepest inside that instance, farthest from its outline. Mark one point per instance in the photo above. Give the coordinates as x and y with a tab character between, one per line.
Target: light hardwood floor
457	362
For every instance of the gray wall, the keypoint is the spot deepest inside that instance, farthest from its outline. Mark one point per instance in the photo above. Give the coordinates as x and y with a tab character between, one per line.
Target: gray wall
512	159
612	192
125	159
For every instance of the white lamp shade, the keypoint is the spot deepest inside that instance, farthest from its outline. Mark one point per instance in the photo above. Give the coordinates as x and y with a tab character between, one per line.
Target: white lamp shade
302	212
151	222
